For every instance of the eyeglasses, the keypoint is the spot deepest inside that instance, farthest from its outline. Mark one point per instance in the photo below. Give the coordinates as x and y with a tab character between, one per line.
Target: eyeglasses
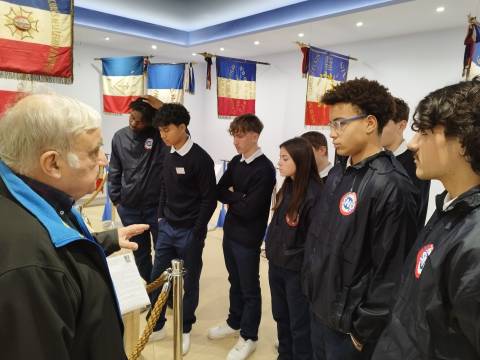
339	123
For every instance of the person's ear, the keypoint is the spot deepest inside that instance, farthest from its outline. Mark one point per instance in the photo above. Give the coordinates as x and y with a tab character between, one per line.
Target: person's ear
322	150
402	125
51	164
372	124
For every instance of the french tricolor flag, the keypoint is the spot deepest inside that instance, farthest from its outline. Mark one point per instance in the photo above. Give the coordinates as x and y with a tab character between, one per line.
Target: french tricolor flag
8	98
236	86
325	70
36	39
123	82
165	82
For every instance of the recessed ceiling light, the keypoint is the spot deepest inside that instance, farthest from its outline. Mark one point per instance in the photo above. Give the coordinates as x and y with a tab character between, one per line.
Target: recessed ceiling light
441	9
301	34
194	54
154	47
107	38
359	24
222	49
256	42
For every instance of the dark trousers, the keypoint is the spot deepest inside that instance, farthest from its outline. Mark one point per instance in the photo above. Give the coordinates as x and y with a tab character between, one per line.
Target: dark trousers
245	296
290	310
177	243
329	344
143	255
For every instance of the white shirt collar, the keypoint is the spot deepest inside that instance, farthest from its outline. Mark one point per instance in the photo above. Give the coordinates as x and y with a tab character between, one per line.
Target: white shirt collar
447	201
349	162
401	149
184	149
326	170
252	157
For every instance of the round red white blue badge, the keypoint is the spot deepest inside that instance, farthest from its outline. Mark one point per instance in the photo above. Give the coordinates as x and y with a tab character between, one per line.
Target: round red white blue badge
422	257
148	144
348	203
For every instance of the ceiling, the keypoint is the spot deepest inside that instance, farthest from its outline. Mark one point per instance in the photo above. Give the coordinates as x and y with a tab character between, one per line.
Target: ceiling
186	15
383	22
166	20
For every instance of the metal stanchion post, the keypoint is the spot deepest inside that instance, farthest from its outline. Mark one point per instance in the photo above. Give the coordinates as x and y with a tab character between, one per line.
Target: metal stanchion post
177	274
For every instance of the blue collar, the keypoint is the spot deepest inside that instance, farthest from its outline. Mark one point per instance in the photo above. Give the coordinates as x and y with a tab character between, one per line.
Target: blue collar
60	233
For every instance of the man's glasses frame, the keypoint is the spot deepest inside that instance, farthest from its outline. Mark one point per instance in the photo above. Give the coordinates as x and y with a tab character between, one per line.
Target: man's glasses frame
339	123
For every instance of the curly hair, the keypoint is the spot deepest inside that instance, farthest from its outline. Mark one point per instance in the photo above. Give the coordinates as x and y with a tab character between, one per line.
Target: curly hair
147	111
402	111
369	96
172	113
457	108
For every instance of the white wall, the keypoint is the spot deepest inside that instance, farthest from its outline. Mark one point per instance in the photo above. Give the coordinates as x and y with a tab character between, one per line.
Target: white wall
87	88
411	66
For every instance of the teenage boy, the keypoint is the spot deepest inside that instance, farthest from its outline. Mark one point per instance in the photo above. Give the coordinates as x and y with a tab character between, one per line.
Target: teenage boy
246	187
392	139
436	314
135	170
320	150
187	202
366	223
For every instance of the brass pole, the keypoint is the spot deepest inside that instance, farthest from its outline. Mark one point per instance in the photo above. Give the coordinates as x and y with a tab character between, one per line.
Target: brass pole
177	275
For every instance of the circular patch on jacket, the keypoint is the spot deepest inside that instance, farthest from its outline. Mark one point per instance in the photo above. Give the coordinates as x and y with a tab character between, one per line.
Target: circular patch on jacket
422	257
148	144
348	203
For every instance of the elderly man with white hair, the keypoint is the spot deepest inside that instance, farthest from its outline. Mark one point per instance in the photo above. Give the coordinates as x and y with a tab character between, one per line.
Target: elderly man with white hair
57	299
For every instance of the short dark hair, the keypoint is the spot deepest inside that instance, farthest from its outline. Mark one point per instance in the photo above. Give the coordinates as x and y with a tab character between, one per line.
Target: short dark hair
171	113
369	96
145	109
402	111
316	139
245	123
457	108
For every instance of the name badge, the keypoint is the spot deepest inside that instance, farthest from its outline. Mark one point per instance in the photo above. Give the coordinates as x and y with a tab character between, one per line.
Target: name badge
180	170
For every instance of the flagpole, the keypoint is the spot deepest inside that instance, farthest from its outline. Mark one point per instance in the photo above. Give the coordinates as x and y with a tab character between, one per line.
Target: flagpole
205	54
325	51
146	56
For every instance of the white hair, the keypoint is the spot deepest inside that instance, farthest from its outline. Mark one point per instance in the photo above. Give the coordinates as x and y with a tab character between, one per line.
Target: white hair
43	122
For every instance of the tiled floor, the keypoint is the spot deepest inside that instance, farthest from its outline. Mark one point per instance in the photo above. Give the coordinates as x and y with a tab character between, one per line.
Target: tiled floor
212	309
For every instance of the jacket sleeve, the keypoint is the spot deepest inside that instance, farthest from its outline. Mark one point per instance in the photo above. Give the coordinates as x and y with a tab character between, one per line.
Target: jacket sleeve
37	314
464	291
115	173
392	230
251	204
108	240
208	194
162	198
223	188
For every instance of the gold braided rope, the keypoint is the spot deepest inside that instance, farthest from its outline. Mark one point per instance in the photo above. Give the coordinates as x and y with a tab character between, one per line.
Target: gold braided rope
165	280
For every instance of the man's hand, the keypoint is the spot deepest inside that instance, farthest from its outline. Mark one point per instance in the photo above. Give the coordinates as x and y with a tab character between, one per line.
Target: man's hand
125	233
152	101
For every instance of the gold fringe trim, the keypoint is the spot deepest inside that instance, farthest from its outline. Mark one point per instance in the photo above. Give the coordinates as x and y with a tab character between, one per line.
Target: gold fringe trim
36	77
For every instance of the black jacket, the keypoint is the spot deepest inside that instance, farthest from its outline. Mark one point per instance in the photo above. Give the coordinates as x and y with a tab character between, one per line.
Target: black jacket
285	244
437	315
355	251
135	168
57	300
423	186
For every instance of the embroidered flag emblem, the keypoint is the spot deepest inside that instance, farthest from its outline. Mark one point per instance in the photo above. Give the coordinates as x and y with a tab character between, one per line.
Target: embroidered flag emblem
348	203
422	257
148	144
